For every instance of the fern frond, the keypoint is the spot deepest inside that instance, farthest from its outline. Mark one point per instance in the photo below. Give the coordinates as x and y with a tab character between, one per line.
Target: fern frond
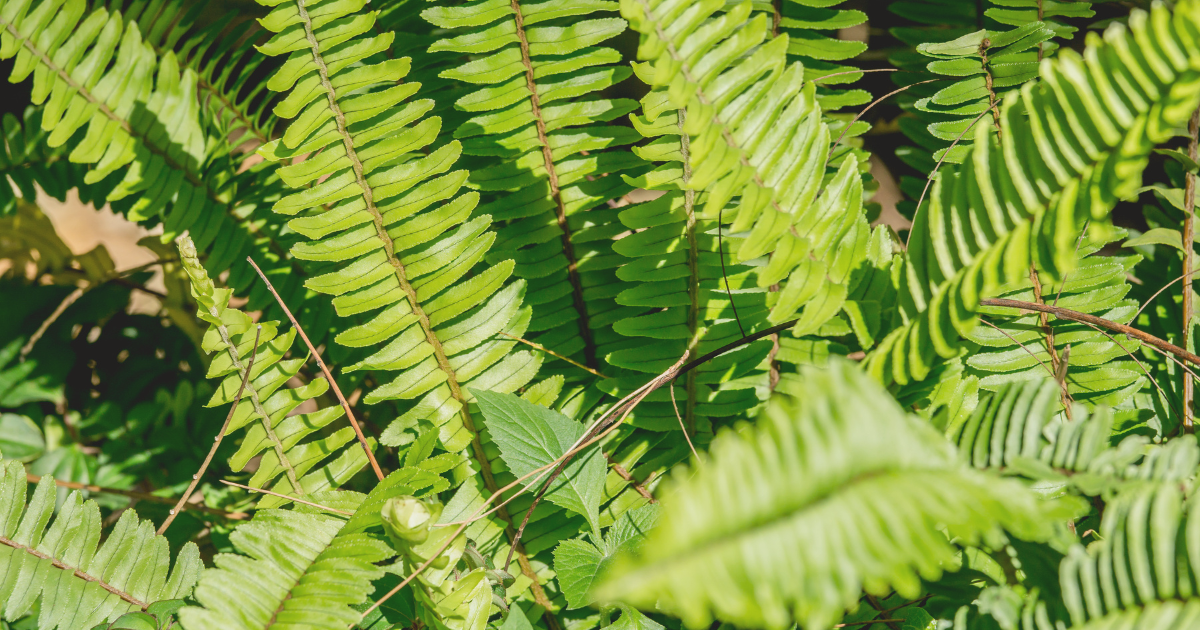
1020	428
28	163
296	568
1021	200
289	465
144	128
62	565
794	509
756	134
812	28
1148	553
1100	370
402	256
543	157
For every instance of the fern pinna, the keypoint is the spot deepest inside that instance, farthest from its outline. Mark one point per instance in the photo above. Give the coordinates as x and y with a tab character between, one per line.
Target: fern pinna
537	136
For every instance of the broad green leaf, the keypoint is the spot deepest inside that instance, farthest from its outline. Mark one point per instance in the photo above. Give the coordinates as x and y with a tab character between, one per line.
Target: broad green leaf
531	436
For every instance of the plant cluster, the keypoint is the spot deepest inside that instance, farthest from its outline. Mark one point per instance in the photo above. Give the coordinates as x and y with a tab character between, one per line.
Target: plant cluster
578	314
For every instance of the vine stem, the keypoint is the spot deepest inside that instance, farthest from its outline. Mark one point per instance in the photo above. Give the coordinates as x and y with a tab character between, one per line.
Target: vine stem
1189	204
140	496
217	440
1076	316
362	439
286	496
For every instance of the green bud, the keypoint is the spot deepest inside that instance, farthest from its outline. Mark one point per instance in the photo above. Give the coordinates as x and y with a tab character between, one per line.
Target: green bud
409	519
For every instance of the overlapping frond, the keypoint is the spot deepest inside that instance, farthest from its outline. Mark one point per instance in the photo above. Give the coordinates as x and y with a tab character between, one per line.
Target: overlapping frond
543	157
295	568
138	111
756	135
1021	428
51	557
27	162
813	28
374	207
781	523
1099	369
291	463
696	296
1073	144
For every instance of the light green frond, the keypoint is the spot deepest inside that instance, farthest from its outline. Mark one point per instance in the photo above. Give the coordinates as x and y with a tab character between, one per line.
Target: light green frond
294	569
1022	199
290	463
1100	369
793	510
543	158
757	139
51	557
371	201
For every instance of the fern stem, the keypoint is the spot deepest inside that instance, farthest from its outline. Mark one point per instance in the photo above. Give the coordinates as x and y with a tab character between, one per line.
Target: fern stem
286	496
689	208
1189	229
79	574
485	467
560	209
1044	321
264	417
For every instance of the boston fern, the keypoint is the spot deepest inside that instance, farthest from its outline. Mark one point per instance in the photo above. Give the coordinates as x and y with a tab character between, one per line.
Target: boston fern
575	314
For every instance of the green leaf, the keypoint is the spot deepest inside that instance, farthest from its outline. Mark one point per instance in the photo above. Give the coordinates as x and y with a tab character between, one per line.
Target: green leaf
20	438
632	619
580	563
531	436
1158	236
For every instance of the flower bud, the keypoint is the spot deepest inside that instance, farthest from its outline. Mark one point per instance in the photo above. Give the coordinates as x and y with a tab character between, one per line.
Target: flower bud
409	518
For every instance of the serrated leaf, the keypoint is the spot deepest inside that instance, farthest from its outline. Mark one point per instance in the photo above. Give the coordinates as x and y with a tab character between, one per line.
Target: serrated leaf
531	436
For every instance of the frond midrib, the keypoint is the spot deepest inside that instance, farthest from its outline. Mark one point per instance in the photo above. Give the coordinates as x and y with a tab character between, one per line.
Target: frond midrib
83	575
264	417
689	208
560	210
411	294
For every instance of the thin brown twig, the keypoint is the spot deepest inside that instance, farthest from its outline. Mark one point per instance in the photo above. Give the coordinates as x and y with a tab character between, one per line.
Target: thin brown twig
691	447
1063	313
624	406
598	427
217	440
1023	346
286	496
628	477
866	623
936	168
1159	292
362	439
140	496
550	352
